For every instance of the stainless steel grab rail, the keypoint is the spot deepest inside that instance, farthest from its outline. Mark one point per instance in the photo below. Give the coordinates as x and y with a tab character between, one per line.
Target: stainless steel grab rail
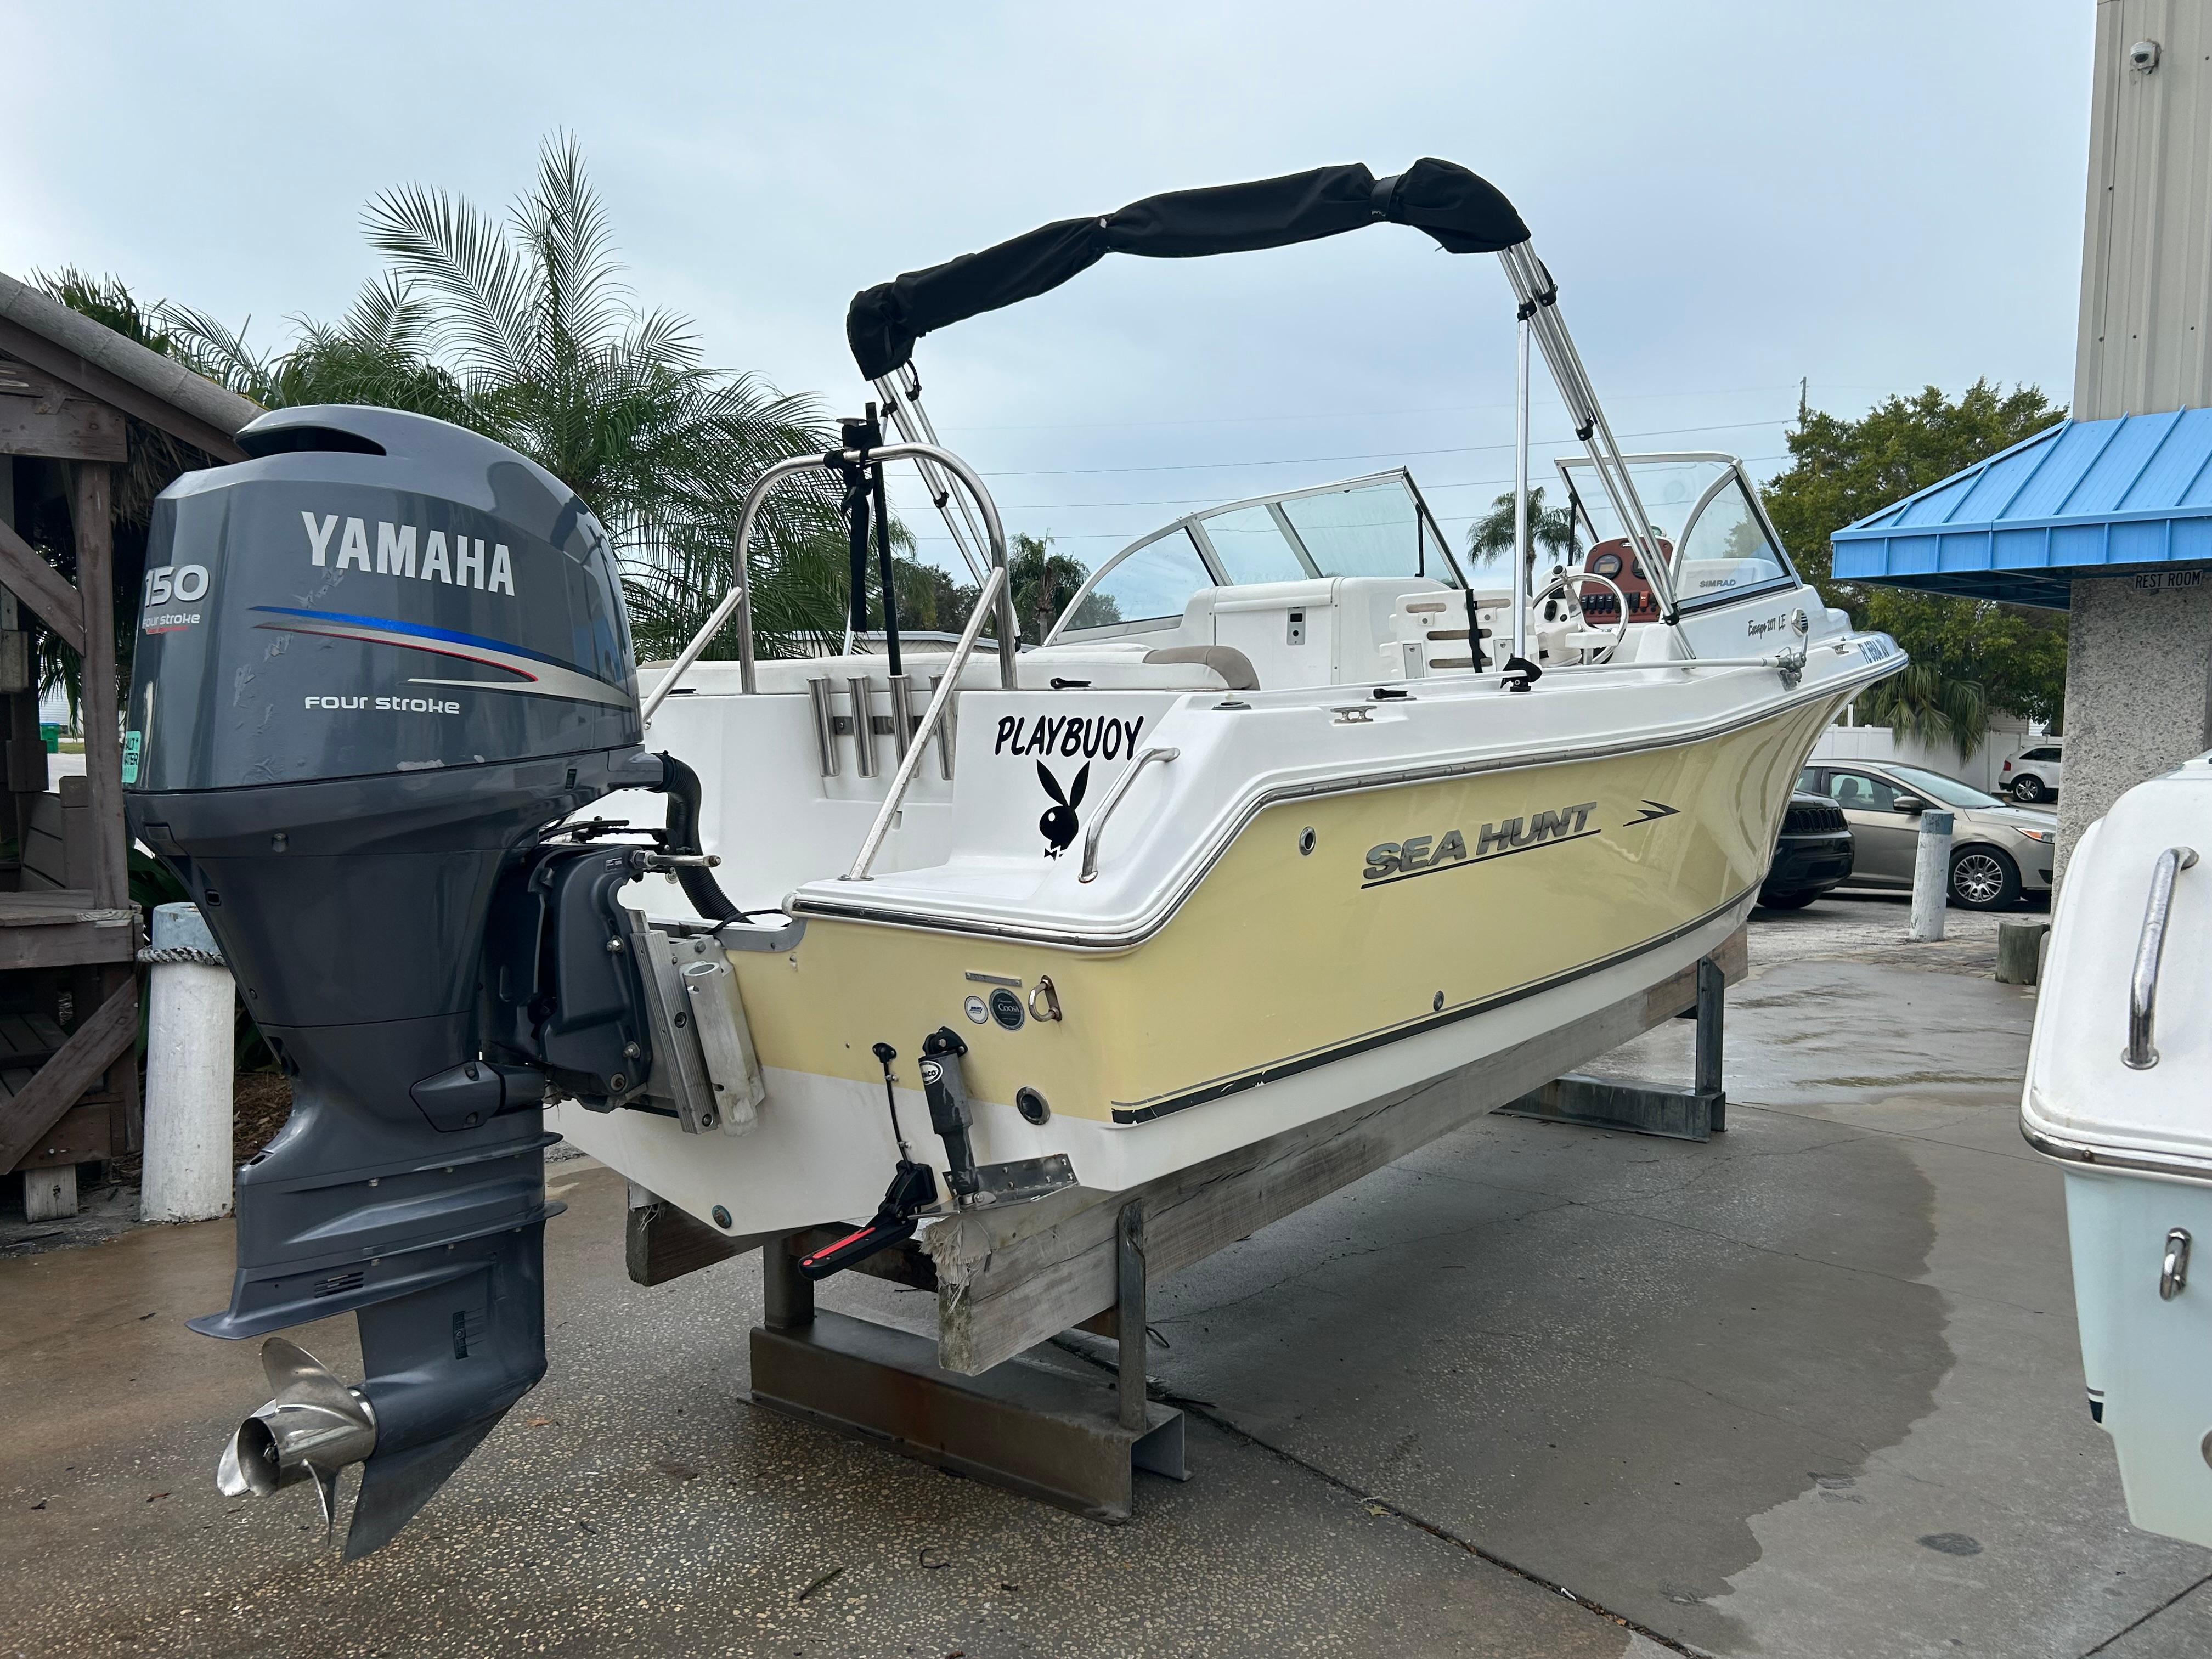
994	587
740	599
1089	872
2140	1054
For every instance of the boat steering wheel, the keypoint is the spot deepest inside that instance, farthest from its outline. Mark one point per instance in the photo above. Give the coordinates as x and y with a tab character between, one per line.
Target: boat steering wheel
1575	579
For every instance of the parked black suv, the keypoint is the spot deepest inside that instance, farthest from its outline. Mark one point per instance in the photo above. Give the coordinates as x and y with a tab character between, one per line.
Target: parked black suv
1812	855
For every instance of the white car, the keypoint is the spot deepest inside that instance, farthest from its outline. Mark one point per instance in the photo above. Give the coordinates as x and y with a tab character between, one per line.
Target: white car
2032	774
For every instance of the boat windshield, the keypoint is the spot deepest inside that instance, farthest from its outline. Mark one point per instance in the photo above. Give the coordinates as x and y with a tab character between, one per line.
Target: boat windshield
1948	790
1371	527
1702	509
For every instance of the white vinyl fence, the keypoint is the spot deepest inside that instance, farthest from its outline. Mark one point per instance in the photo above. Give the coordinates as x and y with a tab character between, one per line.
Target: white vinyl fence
2007	732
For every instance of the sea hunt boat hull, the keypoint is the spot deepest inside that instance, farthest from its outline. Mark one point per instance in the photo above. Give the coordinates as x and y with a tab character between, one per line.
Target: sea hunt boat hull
1317	903
2115	1095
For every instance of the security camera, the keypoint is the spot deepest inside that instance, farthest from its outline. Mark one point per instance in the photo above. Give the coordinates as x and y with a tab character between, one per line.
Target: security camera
2144	55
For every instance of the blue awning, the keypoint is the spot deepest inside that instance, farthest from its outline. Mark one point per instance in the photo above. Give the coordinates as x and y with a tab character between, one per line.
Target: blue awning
2086	498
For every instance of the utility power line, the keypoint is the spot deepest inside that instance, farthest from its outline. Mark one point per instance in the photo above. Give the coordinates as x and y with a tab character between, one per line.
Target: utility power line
1216	501
1372	455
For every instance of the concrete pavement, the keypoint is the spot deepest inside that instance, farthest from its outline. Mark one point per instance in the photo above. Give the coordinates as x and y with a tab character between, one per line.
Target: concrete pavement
1811	1389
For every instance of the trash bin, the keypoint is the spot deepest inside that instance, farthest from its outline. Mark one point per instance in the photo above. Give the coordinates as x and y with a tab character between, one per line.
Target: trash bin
49	734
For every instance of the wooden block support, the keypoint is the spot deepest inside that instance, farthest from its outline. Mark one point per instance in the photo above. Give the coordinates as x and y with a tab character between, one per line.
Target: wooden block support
1009	1279
50	1194
2020	951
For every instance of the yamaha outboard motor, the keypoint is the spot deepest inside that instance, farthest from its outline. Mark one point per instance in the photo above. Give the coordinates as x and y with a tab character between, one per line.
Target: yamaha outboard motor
376	662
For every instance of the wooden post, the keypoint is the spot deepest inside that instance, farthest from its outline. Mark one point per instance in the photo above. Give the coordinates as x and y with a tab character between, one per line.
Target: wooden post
1129	1303
91	509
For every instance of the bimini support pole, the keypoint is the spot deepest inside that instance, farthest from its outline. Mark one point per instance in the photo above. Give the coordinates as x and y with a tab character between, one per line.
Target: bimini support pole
1521	490
1538	298
901	391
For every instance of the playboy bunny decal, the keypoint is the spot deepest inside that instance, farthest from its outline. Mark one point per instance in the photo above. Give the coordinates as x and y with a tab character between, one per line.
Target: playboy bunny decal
1057	824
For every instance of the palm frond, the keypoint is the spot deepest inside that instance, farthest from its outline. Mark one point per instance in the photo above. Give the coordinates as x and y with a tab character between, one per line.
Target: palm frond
462	257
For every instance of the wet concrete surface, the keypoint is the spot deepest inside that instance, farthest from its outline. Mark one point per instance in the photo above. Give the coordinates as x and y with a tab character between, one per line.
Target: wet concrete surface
1810	1389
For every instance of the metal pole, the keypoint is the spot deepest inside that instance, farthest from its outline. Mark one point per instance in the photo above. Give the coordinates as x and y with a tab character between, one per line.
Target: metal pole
994	585
1129	1312
786	1294
1521	492
1931	876
1712	1003
902	403
1532	287
188	1072
741	593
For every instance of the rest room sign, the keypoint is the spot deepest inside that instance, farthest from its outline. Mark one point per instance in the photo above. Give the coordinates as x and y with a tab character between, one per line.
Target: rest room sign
1034	766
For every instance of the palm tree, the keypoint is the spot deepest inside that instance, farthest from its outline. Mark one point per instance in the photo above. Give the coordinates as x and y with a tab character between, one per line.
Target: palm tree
1552	530
1927	707
522	330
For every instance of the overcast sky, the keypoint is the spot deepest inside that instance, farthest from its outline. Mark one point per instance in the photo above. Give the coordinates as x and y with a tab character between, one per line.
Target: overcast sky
1873	196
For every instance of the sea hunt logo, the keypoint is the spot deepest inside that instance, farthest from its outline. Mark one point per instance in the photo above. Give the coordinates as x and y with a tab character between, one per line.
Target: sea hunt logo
1058	825
1425	855
464	566
1093	737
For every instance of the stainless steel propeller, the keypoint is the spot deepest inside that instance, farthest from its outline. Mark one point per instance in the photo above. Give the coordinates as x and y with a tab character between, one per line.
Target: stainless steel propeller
311	1427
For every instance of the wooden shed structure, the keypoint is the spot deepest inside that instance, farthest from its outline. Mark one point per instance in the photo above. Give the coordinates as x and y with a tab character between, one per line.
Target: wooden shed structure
79	404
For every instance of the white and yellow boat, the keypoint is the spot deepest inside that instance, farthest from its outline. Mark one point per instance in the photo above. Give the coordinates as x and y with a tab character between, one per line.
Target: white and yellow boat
1283	818
1280	818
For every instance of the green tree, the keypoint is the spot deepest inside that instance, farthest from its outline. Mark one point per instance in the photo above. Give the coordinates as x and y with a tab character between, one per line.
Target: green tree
2013	657
1043	582
1922	705
1550	529
521	328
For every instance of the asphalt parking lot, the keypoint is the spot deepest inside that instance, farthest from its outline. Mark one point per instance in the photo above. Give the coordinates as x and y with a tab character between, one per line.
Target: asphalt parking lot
1810	1389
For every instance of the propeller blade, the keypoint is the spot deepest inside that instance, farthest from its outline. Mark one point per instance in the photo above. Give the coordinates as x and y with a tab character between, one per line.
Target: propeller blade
230	1478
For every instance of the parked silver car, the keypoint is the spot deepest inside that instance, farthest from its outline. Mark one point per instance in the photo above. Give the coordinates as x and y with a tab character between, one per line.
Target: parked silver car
1998	852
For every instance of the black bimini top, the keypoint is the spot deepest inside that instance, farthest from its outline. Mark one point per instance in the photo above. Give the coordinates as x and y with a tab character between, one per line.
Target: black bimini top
1464	213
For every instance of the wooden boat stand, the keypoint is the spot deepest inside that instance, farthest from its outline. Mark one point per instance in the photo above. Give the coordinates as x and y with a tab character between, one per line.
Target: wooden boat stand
977	1402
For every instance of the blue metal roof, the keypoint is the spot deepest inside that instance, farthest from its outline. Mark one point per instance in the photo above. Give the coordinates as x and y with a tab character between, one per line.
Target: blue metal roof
2085	498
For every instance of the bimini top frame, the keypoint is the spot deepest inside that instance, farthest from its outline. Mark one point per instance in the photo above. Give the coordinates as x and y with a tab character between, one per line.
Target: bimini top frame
1464	214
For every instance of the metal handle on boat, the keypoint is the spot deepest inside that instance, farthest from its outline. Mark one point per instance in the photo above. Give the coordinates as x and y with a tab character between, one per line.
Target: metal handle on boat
2173	1267
1113	800
994	587
740	599
2142	985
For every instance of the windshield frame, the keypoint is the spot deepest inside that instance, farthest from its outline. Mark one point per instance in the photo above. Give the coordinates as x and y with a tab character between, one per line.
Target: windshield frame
1731	473
1194	524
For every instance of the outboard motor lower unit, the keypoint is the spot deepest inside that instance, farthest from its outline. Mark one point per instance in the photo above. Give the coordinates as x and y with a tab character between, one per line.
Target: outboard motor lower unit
375	663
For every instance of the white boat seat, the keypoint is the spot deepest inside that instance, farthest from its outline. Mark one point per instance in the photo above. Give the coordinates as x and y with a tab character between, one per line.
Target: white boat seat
1234	668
